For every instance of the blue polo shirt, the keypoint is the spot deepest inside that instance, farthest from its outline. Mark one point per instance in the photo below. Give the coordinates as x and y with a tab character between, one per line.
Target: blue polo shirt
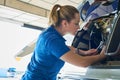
45	62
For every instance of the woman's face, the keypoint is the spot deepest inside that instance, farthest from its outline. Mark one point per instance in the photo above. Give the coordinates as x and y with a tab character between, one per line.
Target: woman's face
73	25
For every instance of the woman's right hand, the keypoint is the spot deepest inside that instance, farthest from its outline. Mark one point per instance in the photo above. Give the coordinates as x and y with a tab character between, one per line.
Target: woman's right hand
102	53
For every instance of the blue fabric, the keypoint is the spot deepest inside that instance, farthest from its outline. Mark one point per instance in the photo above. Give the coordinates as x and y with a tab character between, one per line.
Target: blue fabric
91	8
84	9
100	11
45	63
115	4
95	6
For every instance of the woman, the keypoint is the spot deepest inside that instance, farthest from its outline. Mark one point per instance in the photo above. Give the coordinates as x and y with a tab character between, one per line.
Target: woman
51	52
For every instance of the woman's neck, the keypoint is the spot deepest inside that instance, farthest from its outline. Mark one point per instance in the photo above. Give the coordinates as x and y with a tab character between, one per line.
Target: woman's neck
60	30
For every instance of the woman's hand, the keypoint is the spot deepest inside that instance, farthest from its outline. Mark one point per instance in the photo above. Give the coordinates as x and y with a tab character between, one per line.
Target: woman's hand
88	52
102	53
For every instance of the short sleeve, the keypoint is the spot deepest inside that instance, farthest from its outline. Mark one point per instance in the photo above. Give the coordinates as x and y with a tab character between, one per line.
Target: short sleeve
57	47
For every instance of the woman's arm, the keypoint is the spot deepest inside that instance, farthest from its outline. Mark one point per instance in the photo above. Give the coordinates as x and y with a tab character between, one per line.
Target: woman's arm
82	61
86	52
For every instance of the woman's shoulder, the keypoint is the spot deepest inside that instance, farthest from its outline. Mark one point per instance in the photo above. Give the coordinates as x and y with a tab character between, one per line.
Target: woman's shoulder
50	33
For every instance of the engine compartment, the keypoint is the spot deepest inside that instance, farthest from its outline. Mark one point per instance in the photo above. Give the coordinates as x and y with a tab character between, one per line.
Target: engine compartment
107	27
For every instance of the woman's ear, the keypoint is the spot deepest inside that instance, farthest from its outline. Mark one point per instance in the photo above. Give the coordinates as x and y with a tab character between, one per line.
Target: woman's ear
64	23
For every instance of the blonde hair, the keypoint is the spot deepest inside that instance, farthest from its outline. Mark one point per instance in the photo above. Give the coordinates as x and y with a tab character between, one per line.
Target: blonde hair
59	13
